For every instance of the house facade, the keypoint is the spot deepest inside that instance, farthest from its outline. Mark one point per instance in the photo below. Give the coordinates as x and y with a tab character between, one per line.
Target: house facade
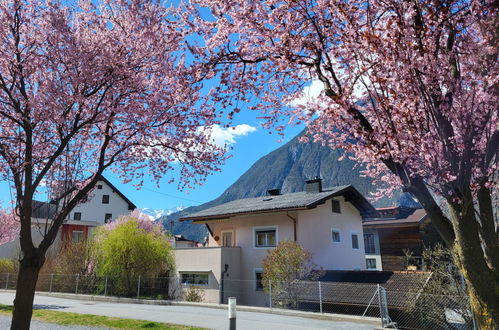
326	222
105	203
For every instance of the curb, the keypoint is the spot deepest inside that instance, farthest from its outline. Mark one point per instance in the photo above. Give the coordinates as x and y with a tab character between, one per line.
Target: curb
375	322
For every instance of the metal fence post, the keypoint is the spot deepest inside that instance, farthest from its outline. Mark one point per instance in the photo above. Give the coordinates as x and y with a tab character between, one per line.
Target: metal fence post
320	296
77	280
51	280
105	287
7	282
270	293
138	288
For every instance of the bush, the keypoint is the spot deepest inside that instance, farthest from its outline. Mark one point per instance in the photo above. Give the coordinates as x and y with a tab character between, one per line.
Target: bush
194	294
130	247
283	266
8	266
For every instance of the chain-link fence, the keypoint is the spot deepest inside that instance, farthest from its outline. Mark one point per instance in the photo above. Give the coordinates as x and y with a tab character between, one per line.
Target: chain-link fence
402	308
166	288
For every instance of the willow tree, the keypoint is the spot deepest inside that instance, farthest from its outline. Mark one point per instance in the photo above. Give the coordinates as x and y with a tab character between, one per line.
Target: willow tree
89	86
408	88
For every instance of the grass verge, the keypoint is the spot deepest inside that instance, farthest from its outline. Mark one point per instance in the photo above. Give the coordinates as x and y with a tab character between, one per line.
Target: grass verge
66	318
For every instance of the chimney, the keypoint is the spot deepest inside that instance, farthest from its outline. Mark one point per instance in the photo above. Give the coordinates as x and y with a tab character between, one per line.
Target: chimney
273	192
313	186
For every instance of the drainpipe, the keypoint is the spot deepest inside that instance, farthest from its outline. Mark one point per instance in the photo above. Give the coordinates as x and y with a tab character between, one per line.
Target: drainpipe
222	284
294	224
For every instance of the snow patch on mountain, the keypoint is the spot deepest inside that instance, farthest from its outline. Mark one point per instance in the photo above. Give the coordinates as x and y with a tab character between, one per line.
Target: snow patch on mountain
155	214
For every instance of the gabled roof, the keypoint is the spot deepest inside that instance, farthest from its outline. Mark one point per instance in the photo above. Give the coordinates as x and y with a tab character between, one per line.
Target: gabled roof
43	210
278	203
416	217
131	206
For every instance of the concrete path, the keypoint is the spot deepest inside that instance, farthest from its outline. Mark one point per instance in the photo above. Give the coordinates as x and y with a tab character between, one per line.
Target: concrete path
186	315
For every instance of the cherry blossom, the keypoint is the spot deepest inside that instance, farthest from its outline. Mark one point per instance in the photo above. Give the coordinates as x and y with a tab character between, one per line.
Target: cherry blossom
88	86
410	90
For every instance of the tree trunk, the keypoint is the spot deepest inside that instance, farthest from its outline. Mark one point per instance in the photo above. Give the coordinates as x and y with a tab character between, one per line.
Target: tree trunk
25	291
482	281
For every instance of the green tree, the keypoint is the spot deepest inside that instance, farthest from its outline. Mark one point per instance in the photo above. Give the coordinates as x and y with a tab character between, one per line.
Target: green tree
130	247
283	269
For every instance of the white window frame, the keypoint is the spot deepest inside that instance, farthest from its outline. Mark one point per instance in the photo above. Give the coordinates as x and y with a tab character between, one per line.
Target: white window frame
193	284
375	263
339	235
374	244
351	240
222	237
79	232
255	229
256	270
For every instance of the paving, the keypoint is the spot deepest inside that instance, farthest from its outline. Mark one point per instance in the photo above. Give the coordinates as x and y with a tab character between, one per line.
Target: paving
186	315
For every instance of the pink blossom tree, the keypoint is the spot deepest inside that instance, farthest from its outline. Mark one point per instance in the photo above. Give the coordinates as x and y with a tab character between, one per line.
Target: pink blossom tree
409	88
9	227
88	86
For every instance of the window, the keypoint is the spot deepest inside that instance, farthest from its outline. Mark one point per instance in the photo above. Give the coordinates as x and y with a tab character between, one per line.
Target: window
266	237
194	278
99	186
108	217
335	206
227	238
371	263
77	216
335	235
105	199
77	236
258	280
369	245
355	241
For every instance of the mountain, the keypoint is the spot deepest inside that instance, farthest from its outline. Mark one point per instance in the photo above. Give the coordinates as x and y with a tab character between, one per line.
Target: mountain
155	214
287	168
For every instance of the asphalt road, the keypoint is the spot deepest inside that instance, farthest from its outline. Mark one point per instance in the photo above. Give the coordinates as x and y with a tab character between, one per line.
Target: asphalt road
187	315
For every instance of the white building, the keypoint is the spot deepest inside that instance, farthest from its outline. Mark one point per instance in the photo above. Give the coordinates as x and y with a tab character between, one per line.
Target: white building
326	222
104	203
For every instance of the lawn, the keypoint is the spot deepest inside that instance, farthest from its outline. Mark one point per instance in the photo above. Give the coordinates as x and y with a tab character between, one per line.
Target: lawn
64	318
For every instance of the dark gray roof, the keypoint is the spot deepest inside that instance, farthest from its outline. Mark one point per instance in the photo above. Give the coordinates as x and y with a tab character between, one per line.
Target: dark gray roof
266	204
42	210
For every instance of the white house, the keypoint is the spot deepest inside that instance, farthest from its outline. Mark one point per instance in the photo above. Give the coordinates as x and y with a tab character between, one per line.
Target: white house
326	222
104	203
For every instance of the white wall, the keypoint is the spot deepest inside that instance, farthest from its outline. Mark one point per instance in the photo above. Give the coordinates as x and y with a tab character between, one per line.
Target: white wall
95	210
314	234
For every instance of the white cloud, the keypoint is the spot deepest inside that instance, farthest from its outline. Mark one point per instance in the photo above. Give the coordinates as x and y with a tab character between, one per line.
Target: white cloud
222	136
309	93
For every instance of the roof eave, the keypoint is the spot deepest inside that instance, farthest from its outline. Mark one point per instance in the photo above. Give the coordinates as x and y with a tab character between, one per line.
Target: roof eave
226	216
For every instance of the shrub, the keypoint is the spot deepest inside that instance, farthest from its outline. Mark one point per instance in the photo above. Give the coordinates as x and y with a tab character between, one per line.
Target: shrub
130	247
283	267
194	294
8	266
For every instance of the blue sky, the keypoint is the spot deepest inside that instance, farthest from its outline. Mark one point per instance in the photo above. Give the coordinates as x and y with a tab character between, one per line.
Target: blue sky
246	149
